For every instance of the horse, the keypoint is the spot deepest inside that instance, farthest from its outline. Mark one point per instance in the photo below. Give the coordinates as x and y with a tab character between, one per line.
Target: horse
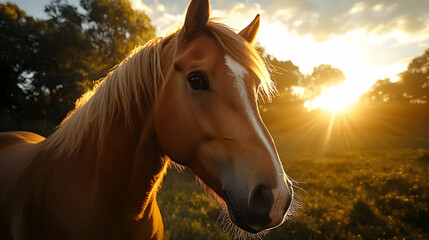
188	97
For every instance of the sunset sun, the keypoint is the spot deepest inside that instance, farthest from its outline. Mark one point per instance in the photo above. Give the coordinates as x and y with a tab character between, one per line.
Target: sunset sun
334	99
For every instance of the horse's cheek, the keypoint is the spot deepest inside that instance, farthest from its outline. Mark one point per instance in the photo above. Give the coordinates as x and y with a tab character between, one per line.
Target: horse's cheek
174	130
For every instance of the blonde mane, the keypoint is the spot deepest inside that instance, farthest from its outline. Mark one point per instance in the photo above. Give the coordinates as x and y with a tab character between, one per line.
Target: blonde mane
135	82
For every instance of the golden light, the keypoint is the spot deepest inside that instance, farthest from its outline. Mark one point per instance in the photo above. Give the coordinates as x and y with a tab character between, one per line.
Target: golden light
342	52
334	99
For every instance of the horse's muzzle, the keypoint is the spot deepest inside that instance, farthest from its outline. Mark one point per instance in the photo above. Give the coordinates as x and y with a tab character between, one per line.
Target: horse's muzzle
252	213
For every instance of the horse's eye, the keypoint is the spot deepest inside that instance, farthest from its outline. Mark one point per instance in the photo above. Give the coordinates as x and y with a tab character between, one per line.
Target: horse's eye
198	81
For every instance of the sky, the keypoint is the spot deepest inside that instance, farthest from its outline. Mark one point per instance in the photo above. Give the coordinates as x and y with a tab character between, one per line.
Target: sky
368	40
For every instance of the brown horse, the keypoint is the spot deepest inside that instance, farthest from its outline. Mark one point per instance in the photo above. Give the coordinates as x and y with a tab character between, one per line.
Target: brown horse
189	97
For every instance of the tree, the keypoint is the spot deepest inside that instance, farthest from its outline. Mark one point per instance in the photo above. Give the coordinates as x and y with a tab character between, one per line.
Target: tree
47	64
412	87
415	81
326	75
286	75
18	41
114	29
61	61
295	88
322	78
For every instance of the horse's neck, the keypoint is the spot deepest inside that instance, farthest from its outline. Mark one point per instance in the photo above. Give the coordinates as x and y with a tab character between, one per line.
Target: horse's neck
128	171
146	174
123	174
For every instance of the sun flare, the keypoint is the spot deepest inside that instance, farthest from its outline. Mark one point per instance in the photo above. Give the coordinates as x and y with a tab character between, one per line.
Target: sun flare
334	99
342	52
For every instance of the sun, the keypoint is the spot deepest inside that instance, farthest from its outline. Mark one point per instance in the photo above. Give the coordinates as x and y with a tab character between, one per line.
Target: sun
334	99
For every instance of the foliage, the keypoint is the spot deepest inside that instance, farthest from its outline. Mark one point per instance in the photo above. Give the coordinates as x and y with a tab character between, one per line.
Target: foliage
114	29
17	40
47	64
412	87
323	77
60	64
327	75
288	79
286	76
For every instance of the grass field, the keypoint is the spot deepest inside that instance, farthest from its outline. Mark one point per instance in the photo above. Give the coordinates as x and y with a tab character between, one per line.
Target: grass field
354	195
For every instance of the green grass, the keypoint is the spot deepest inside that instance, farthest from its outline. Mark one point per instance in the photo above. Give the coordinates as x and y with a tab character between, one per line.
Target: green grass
187	212
361	195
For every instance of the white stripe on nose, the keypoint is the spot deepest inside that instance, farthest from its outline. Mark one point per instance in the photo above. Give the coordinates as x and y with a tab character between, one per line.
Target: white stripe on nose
239	72
280	193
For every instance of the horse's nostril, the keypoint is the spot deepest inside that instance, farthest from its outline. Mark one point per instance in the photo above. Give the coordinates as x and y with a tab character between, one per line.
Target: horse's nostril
261	201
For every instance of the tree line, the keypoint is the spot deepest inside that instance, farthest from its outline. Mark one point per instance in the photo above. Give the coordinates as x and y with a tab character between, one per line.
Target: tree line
408	89
46	64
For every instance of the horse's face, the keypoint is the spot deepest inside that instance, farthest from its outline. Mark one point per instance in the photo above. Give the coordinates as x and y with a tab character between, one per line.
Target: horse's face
207	118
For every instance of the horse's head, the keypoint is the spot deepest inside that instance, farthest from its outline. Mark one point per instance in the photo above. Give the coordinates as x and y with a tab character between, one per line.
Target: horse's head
207	118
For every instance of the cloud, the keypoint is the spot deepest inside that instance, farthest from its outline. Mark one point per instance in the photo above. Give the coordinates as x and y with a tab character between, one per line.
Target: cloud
162	15
239	15
139	5
234	14
324	19
320	19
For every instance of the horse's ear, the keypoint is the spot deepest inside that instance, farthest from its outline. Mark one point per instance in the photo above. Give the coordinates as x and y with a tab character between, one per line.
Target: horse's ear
196	17
249	33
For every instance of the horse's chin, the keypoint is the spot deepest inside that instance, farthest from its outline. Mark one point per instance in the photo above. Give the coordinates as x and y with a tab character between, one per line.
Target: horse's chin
236	218
229	224
229	219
